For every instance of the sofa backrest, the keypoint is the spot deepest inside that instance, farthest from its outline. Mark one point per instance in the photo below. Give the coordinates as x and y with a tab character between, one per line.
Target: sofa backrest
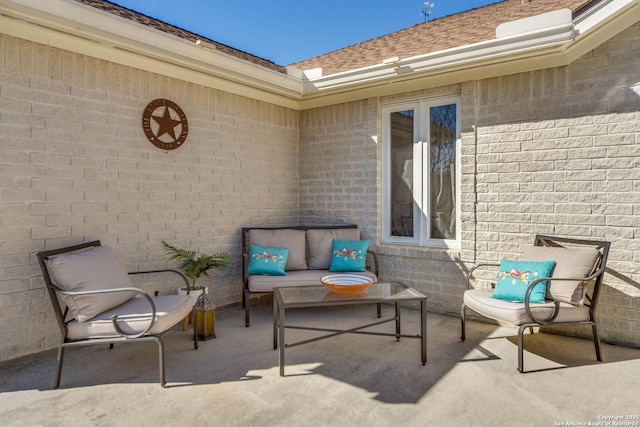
320	243
309	246
93	269
570	262
294	240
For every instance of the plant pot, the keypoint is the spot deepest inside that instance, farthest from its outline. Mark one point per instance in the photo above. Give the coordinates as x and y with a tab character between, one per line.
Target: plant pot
195	293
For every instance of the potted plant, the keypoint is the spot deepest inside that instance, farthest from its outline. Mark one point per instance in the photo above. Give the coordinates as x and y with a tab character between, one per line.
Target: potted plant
195	266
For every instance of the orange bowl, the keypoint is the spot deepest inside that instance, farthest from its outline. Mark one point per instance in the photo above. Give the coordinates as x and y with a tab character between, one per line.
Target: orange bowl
346	284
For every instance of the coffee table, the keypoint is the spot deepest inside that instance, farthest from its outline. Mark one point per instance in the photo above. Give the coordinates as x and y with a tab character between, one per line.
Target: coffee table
318	296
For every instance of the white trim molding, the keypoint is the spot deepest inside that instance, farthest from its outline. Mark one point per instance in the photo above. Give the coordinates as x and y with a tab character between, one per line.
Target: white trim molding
548	40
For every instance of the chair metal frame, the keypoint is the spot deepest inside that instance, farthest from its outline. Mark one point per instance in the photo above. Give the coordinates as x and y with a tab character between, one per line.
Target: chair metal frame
62	313
596	277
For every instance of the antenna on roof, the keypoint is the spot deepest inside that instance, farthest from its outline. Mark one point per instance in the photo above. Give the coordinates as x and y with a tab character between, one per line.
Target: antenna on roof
426	9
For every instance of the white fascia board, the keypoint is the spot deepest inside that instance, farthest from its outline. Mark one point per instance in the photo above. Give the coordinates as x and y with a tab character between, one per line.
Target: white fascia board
540	43
602	12
82	29
535	45
603	21
476	53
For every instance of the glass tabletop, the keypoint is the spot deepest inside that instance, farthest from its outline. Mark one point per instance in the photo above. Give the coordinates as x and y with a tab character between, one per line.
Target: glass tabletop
319	295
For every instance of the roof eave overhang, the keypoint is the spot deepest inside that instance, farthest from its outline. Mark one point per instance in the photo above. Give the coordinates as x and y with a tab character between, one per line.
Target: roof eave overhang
79	28
75	27
547	47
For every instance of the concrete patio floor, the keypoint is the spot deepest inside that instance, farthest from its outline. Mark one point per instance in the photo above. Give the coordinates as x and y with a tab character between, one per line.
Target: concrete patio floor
348	380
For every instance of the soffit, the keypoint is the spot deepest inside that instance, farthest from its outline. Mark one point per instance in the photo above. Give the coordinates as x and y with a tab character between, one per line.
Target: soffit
151	46
473	26
80	28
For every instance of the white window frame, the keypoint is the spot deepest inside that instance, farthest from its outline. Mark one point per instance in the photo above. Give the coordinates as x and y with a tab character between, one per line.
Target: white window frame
421	156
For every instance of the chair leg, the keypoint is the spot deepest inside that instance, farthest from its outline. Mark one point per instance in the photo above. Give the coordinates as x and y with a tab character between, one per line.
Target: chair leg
596	341
163	381
521	330
463	314
246	308
56	382
379	313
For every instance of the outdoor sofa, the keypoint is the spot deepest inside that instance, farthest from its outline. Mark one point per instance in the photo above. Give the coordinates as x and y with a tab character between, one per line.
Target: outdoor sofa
311	252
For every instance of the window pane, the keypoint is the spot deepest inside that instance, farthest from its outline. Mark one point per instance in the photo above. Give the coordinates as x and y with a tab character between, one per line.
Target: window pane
402	173
442	174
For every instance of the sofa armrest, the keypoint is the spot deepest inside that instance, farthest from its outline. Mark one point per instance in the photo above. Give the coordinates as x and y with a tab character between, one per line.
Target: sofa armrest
114	318
480	267
371	263
167	270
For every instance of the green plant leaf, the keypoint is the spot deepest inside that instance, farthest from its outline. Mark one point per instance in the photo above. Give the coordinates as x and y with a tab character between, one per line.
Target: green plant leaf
194	266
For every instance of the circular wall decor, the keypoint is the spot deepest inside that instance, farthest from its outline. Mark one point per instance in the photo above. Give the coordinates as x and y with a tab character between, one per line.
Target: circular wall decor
165	124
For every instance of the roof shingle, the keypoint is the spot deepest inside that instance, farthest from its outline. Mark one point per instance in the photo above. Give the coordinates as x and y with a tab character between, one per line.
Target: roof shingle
461	29
473	26
123	12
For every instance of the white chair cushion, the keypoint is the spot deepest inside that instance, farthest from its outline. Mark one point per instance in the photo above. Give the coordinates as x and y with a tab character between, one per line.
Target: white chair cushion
480	301
94	269
133	317
570	262
294	240
320	243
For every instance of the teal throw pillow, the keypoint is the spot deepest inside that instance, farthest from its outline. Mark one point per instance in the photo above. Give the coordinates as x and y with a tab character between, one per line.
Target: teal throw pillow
514	279
268	261
349	255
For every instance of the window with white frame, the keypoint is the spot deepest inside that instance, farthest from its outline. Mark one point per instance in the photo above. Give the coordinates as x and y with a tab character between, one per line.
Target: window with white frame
421	169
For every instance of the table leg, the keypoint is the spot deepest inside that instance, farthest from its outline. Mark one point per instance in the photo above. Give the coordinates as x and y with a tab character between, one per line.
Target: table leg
423	330
281	339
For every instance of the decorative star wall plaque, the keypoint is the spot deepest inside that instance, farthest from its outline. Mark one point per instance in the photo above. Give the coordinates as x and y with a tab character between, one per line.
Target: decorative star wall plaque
165	124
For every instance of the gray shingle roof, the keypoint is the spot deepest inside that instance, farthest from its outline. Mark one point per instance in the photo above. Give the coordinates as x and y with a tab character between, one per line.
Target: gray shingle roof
176	31
461	29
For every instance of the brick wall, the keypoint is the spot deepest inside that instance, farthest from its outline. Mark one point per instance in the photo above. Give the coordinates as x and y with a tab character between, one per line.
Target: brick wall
554	151
338	154
75	166
558	152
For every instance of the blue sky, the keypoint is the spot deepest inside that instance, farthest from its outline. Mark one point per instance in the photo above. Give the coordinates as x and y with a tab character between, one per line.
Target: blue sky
288	31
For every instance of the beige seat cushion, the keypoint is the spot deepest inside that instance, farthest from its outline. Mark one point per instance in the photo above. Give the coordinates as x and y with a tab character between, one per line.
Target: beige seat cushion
94	269
294	240
321	241
133	317
570	262
480	301
294	278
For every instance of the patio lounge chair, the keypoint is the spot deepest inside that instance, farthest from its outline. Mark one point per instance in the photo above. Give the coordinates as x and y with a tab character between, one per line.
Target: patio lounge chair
570	296
95	302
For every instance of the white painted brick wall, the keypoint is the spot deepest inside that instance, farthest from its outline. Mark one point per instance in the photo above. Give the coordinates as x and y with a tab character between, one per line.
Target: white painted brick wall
75	166
557	152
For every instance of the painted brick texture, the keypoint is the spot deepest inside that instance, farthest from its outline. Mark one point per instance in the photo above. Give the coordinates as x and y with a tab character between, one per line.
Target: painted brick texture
558	153
552	151
75	166
338	152
547	152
